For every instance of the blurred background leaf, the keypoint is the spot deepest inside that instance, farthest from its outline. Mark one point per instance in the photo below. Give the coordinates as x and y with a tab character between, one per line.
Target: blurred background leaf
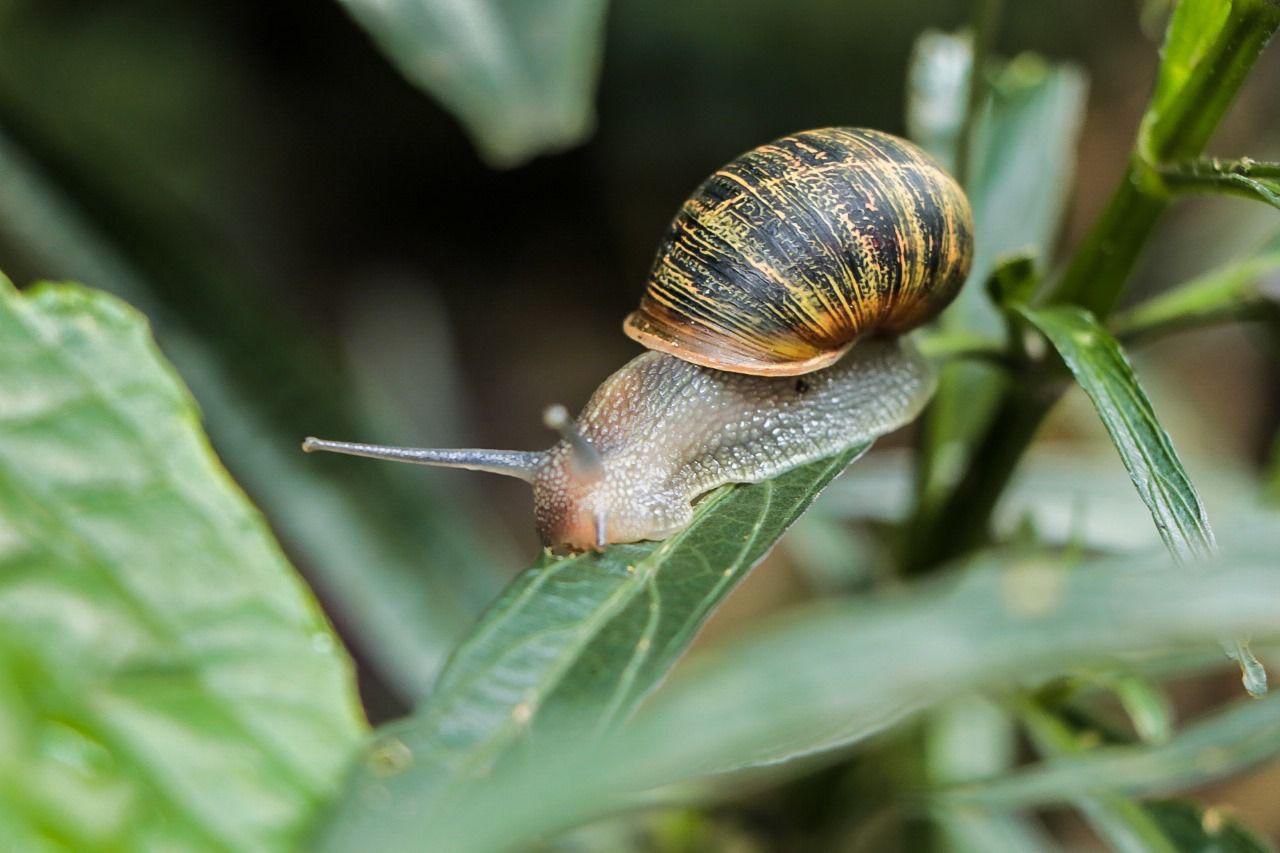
169	681
1021	165
408	590
520	74
1227	742
836	672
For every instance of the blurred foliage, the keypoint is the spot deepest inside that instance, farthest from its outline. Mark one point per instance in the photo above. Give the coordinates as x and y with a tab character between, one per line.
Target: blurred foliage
1020	166
519	73
838	672
168	681
320	251
406	575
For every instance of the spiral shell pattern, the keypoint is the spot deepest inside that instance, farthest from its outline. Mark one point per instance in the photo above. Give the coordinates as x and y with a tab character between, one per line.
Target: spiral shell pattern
783	258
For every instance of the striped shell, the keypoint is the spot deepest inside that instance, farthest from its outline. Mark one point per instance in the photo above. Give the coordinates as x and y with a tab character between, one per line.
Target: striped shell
780	260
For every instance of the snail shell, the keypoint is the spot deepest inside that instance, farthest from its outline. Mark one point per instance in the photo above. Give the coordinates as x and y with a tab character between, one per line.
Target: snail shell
783	258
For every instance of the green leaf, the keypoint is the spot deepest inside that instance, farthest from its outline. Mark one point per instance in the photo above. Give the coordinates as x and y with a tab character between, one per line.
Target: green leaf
519	74
1100	366
168	681
839	671
584	636
1235	291
1247	178
1125	825
1021	167
1194	829
1103	371
1224	744
409	589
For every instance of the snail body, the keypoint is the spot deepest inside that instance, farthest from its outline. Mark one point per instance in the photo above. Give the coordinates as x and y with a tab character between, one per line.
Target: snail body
770	273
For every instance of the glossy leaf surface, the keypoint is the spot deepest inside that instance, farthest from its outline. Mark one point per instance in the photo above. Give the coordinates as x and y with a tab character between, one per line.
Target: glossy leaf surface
168	681
1103	371
395	562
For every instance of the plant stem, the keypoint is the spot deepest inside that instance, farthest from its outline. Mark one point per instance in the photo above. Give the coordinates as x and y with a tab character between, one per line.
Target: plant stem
1094	279
960	523
1246	178
1096	275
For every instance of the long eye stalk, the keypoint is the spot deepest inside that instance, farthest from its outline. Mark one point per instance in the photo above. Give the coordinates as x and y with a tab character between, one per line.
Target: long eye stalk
521	464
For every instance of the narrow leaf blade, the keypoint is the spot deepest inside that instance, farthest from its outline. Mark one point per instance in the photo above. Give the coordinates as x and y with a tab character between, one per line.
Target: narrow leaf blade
586	636
149	625
1100	366
1233	290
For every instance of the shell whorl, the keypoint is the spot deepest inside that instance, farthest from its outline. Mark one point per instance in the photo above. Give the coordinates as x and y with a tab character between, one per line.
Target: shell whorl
780	260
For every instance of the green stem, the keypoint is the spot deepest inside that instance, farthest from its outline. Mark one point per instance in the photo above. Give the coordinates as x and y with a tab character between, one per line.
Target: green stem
1094	279
1245	178
1096	275
960	523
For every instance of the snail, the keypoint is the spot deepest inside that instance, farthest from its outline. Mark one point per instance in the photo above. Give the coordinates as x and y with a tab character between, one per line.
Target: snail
770	273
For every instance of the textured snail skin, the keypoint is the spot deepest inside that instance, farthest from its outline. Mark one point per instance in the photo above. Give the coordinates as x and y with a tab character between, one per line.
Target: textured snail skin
784	257
668	431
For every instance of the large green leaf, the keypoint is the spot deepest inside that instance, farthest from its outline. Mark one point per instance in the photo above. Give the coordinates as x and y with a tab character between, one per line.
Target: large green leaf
408	585
828	670
168	681
520	74
585	636
1100	366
